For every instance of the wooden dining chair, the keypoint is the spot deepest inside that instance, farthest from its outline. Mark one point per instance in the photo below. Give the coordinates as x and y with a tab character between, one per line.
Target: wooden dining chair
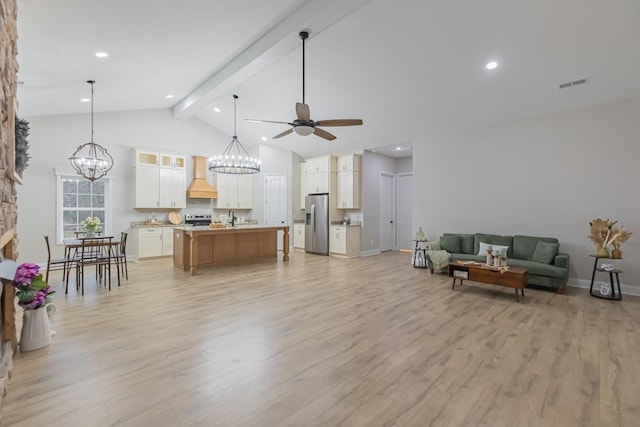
55	263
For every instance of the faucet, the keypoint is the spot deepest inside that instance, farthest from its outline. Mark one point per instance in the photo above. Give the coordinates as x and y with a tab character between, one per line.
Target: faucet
232	216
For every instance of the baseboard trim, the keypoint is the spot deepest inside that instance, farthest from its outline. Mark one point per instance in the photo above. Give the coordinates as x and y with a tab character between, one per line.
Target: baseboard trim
586	284
370	253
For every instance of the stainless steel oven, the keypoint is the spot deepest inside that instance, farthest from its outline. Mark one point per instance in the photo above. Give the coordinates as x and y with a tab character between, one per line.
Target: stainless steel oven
197	219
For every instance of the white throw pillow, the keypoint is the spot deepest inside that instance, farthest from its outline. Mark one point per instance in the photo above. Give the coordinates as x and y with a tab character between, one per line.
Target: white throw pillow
495	248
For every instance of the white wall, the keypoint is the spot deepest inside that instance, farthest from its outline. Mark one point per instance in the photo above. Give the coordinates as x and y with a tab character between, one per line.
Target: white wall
404	165
53	139
547	176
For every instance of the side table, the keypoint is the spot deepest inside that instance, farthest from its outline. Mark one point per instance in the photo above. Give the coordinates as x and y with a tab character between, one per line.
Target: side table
612	273
420	254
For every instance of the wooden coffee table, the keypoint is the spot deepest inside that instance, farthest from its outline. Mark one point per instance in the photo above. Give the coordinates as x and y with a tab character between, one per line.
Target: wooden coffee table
514	277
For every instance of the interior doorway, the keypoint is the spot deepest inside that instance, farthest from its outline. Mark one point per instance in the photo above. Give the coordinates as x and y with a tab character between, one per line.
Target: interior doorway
404	211
275	203
387	212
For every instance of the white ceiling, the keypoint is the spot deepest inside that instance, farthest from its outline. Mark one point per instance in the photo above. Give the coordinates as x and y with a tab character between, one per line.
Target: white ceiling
413	70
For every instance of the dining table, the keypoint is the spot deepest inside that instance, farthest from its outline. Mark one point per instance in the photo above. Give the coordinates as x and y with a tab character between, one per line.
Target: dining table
97	250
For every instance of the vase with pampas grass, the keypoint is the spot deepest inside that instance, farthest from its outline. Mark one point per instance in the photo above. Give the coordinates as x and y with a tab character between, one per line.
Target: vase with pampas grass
604	233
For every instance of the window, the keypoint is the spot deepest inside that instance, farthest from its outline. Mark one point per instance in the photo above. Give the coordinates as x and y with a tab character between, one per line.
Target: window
79	198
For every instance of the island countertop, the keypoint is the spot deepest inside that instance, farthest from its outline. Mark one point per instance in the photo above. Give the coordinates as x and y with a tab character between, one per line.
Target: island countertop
201	246
200	228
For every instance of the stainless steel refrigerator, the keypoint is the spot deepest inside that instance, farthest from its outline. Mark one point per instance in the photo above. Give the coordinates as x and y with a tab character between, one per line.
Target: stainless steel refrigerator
316	238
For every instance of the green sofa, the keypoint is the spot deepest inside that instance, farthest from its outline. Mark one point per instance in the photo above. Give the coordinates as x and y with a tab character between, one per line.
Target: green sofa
540	255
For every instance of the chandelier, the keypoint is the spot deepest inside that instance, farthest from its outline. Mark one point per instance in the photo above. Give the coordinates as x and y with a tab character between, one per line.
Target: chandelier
91	160
235	158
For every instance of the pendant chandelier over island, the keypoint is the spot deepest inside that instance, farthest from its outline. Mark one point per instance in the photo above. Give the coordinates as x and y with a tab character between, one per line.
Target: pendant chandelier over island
235	159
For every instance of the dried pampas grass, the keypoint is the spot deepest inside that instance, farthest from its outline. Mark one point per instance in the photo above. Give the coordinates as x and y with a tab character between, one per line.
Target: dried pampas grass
603	233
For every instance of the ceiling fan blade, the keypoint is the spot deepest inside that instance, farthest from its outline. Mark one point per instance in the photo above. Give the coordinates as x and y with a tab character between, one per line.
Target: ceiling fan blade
268	121
302	110
339	122
324	134
286	132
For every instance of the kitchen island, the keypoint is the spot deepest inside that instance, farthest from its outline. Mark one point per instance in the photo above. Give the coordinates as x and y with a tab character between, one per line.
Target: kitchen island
195	247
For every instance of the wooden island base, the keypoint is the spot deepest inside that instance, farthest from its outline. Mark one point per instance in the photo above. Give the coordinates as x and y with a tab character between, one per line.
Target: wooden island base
195	247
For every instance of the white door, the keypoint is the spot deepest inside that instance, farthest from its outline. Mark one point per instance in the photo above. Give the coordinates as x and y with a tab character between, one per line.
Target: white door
275	204
387	228
403	211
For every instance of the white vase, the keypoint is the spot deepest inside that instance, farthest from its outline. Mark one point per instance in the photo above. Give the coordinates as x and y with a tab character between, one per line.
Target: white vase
36	331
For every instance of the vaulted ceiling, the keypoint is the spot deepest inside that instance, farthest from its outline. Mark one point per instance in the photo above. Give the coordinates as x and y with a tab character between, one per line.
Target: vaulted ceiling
413	70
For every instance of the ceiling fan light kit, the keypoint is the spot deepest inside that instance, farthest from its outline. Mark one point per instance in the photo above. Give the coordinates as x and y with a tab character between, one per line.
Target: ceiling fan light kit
91	160
235	159
304	130
303	125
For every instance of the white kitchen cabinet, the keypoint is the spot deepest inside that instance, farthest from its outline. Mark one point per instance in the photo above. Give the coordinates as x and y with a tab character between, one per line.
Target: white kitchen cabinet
298	235
321	164
173	161
319	182
321	174
349	162
147	186
338	240
146	157
245	191
173	183
235	191
344	241
161	179
303	184
167	241
153	242
348	182
149	242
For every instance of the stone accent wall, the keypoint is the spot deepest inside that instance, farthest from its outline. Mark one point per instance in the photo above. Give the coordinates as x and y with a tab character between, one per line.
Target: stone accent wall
8	180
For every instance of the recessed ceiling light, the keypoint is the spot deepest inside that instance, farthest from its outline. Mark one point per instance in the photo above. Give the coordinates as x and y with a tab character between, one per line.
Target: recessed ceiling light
216	109
264	138
102	54
85	100
169	96
491	65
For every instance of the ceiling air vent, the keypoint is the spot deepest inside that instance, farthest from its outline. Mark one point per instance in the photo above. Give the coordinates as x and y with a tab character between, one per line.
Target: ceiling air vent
574	83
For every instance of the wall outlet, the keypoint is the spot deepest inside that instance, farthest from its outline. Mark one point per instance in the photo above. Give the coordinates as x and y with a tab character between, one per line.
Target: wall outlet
371	242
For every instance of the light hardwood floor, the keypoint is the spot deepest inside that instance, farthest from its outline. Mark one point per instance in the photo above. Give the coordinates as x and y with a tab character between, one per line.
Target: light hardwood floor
323	341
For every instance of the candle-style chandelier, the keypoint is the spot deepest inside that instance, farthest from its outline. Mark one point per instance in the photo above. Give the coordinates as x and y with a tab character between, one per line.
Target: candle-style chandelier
235	159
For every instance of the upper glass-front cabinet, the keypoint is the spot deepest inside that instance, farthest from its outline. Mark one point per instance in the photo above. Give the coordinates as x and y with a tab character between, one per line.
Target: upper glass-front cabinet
172	161
146	158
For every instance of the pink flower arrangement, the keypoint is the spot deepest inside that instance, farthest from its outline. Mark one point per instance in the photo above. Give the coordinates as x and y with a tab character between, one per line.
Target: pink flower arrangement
31	290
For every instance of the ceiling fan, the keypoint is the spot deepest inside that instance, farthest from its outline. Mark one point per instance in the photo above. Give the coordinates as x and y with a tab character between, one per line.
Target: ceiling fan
303	125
